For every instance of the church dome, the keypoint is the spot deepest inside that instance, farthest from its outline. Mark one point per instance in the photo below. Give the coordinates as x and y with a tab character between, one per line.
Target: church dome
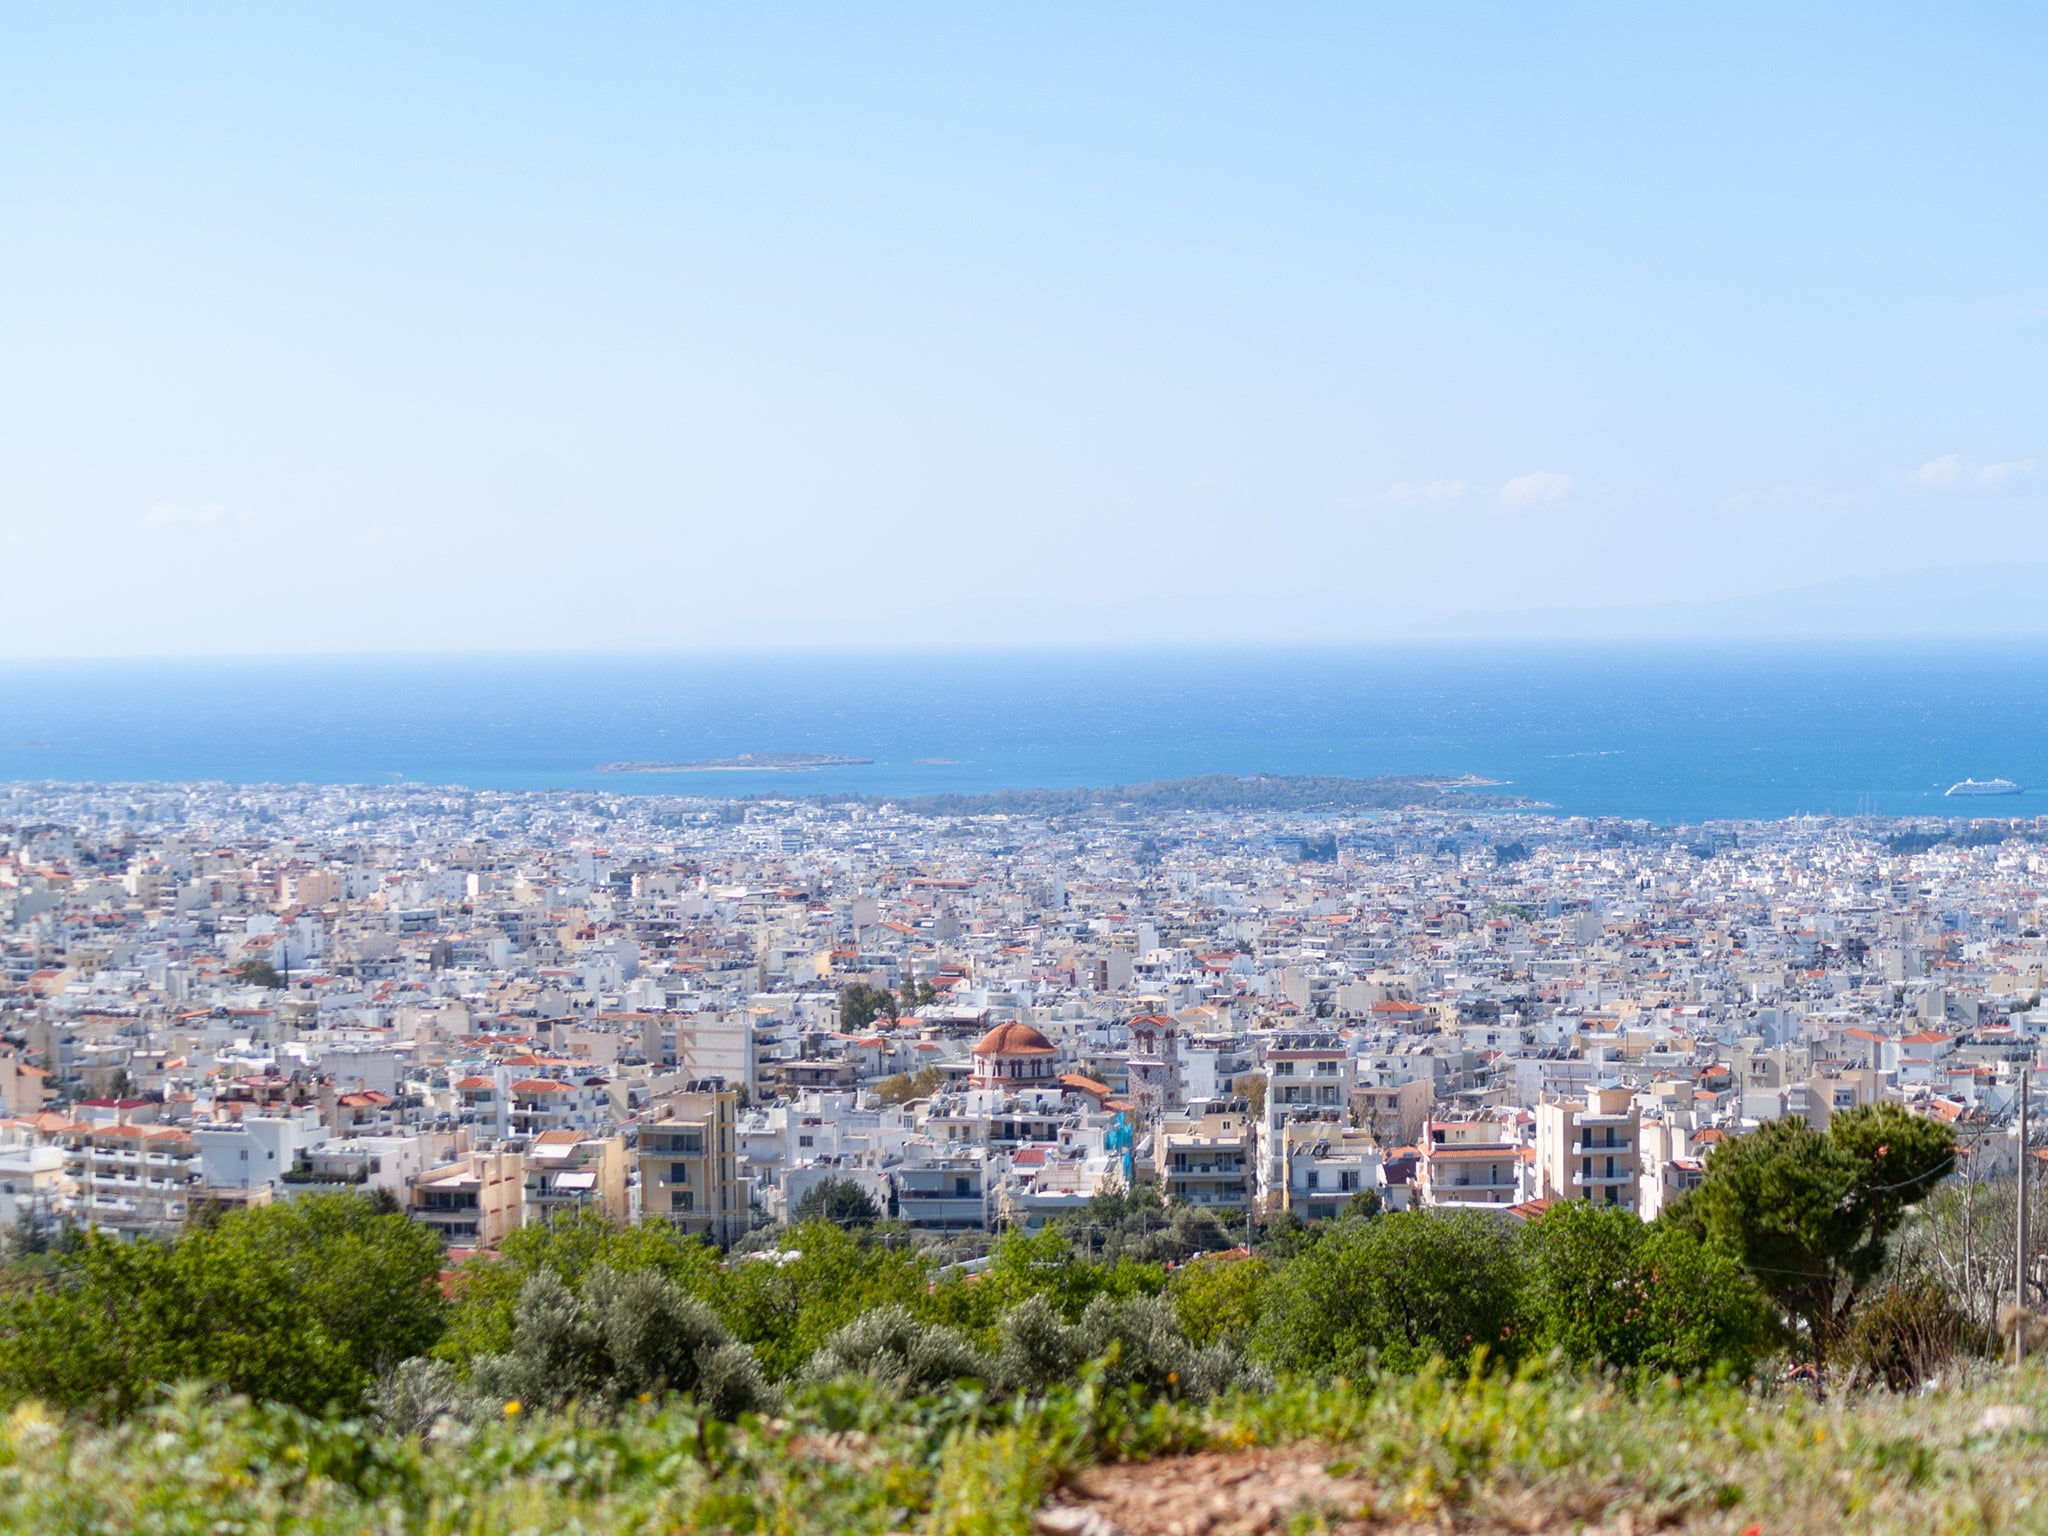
1013	1040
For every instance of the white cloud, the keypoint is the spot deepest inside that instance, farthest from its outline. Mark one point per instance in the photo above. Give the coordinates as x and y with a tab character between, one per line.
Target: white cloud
1434	490
1951	472
166	512
1536	488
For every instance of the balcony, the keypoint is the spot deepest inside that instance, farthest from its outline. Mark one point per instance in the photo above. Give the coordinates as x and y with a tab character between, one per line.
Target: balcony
1603	1148
1628	1119
1597	1180
1468	1182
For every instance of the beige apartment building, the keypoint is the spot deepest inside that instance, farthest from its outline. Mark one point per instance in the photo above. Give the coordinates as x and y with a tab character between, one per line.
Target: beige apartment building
473	1201
1205	1155
1591	1148
1672	1161
568	1170
689	1164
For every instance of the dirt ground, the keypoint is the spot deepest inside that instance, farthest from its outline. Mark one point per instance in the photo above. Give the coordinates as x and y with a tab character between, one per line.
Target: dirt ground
1216	1493
1267	1493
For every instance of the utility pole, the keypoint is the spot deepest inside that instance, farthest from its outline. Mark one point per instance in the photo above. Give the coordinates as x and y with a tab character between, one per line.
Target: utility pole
2019	1282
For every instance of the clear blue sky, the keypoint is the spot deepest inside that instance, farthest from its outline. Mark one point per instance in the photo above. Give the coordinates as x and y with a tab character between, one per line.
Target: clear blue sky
369	327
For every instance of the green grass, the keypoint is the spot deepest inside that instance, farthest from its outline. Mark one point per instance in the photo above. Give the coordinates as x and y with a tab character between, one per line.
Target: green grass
1529	1453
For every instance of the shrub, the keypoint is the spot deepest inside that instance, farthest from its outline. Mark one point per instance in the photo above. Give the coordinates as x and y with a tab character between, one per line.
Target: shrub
487	1290
1036	1346
786	1303
1137	1342
1905	1335
631	1334
889	1345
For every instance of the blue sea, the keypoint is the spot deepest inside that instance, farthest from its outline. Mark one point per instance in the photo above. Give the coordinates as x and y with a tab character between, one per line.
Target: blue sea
1665	733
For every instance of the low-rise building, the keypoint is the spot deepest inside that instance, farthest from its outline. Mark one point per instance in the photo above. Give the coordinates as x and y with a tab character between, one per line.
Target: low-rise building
569	1170
1470	1160
473	1201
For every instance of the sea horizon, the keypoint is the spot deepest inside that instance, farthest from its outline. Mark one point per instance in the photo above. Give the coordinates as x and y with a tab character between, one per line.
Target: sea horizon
1663	731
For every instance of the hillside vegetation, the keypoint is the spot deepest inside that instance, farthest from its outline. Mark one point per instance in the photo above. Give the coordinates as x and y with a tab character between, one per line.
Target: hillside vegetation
308	1367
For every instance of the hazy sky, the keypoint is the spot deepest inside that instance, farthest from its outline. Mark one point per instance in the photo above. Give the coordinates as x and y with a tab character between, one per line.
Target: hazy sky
363	327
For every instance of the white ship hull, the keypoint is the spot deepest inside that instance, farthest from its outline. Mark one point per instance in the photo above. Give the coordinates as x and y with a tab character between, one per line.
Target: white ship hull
1985	787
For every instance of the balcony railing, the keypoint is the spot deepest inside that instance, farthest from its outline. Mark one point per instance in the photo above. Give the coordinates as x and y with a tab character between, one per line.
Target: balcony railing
1603	1148
1619	1176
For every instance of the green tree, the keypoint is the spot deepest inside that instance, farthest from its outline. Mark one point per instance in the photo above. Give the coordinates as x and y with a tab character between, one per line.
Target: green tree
860	1005
840	1201
301	1304
258	973
1809	1214
1584	1294
1140	1224
1220	1301
1364	1205
785	1304
1397	1291
1604	1289
1046	1266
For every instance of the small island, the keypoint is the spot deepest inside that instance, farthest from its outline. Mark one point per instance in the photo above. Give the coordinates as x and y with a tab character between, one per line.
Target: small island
746	762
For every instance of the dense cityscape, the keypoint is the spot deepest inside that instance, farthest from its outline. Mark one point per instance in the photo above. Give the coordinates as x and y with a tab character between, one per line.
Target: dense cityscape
497	1006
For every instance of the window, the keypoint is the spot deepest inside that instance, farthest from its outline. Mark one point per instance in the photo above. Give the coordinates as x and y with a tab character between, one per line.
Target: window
682	1200
1315	1180
805	1141
679	1173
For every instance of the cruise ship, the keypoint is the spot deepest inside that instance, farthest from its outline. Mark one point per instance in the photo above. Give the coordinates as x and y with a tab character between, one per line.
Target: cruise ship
1985	787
